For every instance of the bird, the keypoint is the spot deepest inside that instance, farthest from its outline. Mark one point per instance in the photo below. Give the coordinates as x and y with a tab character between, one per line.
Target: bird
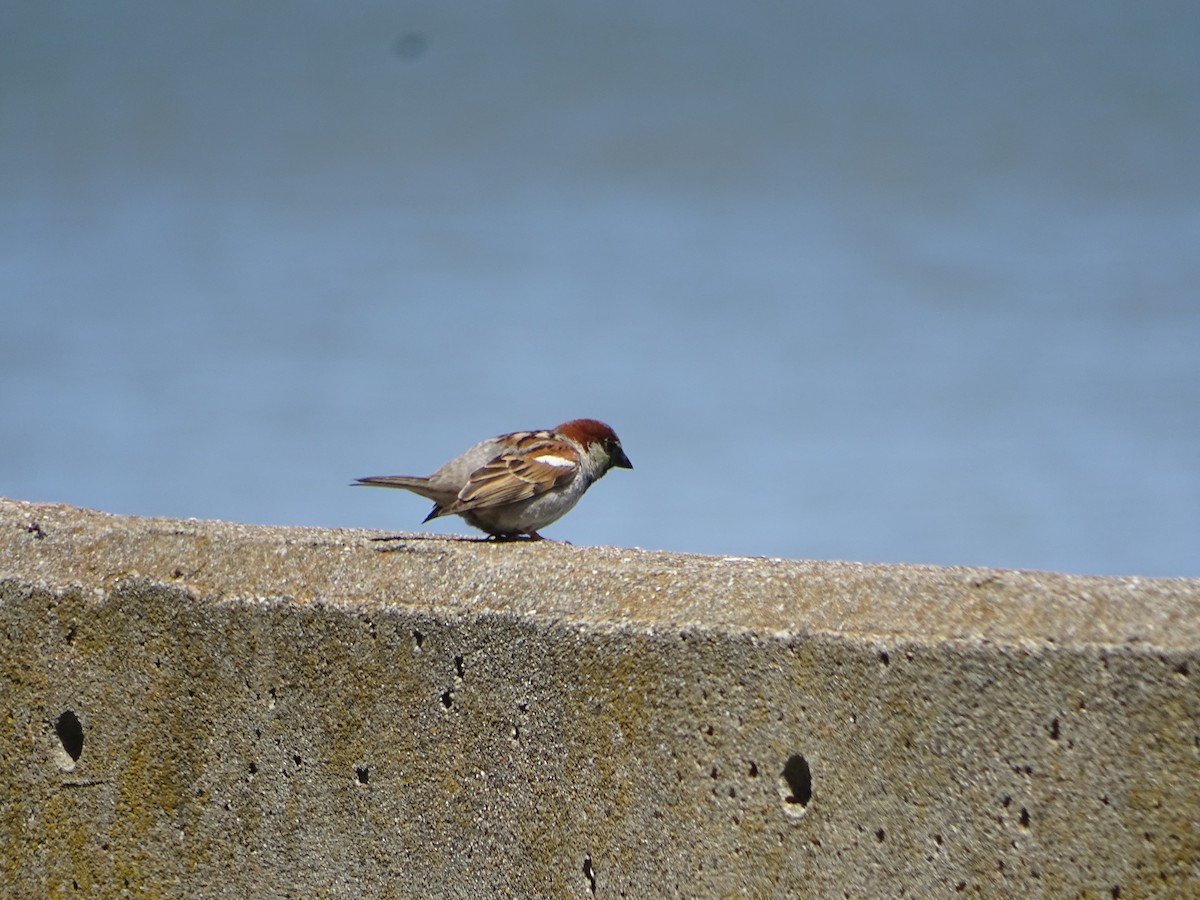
516	484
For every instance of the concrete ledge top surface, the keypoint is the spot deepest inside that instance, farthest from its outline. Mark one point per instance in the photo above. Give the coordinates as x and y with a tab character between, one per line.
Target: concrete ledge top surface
208	709
597	586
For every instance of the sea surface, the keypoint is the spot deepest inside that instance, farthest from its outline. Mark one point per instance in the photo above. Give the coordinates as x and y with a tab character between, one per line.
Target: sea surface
882	282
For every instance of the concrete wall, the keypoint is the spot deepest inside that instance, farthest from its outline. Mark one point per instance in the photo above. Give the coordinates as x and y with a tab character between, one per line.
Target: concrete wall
209	709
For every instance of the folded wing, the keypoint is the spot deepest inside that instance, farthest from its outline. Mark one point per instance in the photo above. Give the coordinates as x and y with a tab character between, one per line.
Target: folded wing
531	469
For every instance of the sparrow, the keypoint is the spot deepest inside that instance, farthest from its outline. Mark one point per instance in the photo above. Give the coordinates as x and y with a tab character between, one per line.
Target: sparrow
517	484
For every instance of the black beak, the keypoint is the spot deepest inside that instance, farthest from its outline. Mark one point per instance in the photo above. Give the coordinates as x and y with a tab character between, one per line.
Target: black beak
619	459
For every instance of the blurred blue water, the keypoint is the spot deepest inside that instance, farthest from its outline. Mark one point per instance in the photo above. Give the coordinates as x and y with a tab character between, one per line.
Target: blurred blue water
907	284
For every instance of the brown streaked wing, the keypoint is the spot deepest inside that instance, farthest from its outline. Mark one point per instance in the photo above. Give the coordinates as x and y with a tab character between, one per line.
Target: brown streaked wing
512	477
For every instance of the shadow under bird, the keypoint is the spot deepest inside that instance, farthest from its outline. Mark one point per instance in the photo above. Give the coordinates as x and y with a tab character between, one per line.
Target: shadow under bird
516	484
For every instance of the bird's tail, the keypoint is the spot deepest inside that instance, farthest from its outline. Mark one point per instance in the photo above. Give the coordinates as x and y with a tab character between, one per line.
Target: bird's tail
408	482
411	483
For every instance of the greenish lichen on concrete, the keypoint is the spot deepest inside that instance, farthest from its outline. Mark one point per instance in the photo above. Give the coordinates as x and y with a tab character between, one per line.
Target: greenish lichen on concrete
270	710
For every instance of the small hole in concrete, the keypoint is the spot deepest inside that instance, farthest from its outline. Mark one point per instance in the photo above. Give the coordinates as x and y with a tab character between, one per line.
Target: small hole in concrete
1115	893
360	772
797	779
253	768
590	873
1182	669
70	732
884	659
753	769
296	759
880	835
447	699
418	638
1024	817
1054	730
458	666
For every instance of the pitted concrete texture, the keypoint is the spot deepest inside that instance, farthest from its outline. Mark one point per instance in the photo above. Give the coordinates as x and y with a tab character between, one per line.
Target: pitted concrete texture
201	709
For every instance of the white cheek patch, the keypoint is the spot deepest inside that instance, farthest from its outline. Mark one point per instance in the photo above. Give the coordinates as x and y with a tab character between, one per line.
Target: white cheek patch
557	461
